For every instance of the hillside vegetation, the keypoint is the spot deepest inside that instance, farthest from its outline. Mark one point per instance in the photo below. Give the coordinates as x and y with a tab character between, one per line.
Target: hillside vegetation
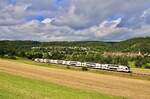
134	52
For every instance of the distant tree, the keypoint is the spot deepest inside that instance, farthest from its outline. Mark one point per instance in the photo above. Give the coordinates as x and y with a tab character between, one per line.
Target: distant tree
124	61
138	63
21	54
45	55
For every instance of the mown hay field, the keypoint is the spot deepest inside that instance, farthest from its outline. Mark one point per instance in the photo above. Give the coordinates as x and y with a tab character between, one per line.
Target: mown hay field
16	87
78	80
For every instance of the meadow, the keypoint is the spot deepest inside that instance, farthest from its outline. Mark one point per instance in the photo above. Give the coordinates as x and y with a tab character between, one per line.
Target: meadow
17	87
42	82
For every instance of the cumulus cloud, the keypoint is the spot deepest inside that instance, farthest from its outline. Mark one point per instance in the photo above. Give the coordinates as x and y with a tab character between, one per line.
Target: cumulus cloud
47	20
74	19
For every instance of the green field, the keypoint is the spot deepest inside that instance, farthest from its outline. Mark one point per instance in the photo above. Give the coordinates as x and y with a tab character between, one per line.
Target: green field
16	87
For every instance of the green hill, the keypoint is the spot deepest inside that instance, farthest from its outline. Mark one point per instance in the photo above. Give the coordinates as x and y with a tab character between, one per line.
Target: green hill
134	45
91	51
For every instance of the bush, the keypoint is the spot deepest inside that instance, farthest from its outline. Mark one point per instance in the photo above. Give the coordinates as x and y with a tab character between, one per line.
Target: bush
10	57
1	56
84	69
147	66
138	64
68	67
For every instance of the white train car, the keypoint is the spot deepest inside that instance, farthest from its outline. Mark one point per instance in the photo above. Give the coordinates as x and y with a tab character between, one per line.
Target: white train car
55	61
90	65
112	67
50	61
73	63
45	60
78	64
37	60
41	60
67	63
123	68
60	61
105	66
98	66
64	62
83	64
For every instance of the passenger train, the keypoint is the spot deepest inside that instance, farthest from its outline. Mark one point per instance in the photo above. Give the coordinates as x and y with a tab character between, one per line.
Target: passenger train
110	67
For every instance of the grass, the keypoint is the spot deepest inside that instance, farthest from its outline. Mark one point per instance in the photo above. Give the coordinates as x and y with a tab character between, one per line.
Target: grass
16	87
132	64
141	70
79	80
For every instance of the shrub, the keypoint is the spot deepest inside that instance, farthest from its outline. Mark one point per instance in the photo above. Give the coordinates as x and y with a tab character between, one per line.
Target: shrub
10	57
147	66
68	67
84	69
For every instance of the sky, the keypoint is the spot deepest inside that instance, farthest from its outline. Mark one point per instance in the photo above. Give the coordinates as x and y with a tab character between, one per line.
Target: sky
74	20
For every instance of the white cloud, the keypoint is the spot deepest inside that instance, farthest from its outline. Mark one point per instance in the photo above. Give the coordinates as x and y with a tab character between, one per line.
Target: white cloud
74	19
111	24
47	20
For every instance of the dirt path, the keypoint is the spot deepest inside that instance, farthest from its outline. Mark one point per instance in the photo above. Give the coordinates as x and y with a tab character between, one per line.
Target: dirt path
119	86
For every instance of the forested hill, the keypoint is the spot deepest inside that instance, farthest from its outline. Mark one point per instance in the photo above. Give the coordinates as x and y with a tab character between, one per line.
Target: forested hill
131	45
135	51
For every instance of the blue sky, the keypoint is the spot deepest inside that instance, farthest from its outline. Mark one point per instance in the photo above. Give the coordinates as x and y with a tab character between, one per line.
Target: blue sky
74	20
13	1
